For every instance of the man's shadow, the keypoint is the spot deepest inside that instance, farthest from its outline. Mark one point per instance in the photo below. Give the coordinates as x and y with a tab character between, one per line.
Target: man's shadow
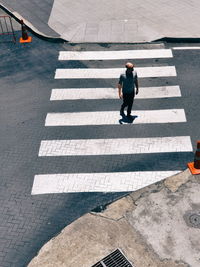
125	119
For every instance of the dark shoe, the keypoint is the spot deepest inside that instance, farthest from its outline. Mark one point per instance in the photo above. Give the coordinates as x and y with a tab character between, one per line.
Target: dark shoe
129	117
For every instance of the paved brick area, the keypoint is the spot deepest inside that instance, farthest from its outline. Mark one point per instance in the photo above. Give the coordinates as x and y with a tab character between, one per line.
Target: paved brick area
26	221
27	78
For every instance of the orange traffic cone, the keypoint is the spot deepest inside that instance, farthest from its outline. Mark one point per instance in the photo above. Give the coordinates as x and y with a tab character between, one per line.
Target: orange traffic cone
25	38
195	166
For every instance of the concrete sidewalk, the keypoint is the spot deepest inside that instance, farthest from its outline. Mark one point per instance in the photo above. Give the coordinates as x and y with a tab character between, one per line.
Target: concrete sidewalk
157	226
117	21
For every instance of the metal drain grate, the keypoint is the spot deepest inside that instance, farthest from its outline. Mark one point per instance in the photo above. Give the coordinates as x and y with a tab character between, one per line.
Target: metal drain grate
115	259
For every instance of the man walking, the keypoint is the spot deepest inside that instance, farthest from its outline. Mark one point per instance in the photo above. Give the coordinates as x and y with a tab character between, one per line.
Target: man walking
126	88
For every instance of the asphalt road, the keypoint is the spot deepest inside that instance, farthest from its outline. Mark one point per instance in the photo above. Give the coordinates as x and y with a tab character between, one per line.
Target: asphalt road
27	78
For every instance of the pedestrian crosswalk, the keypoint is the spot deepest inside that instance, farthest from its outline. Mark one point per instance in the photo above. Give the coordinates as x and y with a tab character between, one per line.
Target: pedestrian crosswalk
112	117
112	73
114	146
111	55
110	93
96	182
76	147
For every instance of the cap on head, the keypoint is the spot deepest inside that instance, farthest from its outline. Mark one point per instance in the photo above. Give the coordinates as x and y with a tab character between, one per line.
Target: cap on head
129	65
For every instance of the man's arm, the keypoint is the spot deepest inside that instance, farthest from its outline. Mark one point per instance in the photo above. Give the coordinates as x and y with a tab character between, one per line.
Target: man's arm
137	85
120	90
120	86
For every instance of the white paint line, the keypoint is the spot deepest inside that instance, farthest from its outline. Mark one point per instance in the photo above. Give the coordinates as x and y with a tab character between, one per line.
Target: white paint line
187	48
112	93
159	92
107	73
111	55
116	146
113	117
96	182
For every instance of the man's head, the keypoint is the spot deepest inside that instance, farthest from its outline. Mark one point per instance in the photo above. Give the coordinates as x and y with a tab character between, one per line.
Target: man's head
129	67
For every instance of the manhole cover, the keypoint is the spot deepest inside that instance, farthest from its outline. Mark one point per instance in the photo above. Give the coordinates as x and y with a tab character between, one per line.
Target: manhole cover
195	220
192	219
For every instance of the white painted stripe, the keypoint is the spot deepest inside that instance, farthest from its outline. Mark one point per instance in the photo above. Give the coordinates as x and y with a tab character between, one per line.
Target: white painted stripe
112	93
159	92
109	55
96	182
116	146
113	117
187	48
107	73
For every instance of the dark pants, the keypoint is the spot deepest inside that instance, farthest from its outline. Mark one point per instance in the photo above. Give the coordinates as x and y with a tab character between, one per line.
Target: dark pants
127	101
